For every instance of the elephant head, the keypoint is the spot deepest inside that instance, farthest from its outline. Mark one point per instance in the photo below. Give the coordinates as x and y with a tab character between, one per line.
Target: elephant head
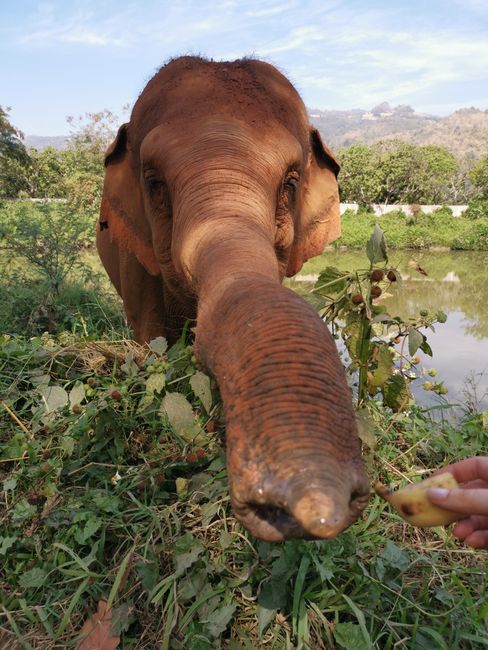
214	191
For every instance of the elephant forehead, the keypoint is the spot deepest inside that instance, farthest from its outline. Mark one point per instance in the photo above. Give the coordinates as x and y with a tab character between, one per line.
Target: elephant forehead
250	90
220	141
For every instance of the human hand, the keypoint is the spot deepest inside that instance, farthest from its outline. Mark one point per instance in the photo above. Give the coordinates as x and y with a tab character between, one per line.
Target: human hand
471	499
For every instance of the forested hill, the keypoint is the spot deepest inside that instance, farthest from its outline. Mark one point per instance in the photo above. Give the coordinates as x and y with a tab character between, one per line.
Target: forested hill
465	132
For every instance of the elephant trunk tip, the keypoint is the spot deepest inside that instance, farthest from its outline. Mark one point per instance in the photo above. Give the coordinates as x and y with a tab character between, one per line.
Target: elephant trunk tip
317	514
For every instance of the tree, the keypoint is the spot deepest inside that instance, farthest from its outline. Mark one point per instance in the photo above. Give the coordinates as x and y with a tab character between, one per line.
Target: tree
479	178
393	171
90	136
48	174
360	177
397	162
435	175
14	159
75	173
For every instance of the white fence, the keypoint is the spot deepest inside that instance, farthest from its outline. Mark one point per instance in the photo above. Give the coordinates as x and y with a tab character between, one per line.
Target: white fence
380	209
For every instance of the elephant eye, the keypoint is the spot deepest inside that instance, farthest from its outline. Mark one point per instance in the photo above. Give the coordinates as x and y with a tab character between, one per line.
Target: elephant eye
152	183
292	180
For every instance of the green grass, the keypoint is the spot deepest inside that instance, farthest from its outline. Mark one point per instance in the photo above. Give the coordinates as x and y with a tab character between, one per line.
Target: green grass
439	229
107	494
105	498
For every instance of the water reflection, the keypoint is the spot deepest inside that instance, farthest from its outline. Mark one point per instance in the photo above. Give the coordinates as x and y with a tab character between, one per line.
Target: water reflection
457	283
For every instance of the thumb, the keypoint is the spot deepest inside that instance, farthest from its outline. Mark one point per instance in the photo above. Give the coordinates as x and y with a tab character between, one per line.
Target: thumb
470	502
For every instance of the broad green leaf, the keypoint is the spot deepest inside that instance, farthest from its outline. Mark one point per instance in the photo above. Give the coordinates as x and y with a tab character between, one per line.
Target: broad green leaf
40	379
155	383
209	510
226	539
180	415
396	393
192	584
331	281
9	483
185	560
159	345
351	637
325	566
54	398
366	428
425	347
67	444
107	502
23	511
6	543
265	616
130	367
415	340
384	366
16	446
220	619
77	393
200	385
83	535
273	594
376	246
148	573
353	341
121	619
395	557
33	578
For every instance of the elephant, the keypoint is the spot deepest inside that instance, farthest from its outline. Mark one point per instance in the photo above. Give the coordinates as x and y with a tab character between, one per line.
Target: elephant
214	191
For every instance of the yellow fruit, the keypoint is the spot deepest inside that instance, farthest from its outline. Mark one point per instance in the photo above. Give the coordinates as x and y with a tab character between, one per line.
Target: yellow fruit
413	505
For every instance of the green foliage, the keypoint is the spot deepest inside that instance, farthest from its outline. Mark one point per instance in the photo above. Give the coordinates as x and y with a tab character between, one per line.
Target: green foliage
477	209
75	173
369	333
479	177
48	173
47	280
90	471
360	177
420	231
49	238
392	171
14	160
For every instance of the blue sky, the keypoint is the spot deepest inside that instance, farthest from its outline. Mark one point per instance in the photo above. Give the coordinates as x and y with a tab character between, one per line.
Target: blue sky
69	57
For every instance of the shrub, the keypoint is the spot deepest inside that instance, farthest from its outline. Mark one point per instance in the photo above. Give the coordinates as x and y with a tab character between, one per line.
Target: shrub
477	209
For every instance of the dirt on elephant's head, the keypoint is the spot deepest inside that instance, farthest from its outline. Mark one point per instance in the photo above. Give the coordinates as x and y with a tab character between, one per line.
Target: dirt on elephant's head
245	89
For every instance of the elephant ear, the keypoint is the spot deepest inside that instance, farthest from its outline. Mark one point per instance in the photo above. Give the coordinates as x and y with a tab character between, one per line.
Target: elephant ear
319	218
122	209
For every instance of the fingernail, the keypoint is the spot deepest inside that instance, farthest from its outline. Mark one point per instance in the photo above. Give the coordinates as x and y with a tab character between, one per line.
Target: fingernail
438	493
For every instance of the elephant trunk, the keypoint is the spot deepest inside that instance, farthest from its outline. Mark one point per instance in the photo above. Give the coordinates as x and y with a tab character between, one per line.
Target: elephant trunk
294	461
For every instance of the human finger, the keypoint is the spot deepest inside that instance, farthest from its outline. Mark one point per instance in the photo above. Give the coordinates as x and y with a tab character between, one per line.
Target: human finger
467	526
472	502
478	539
468	469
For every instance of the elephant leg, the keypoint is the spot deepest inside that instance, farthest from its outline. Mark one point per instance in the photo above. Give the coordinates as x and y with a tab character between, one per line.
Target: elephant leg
141	292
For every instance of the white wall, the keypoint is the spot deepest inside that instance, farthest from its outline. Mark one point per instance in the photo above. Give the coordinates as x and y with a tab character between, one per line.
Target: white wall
380	209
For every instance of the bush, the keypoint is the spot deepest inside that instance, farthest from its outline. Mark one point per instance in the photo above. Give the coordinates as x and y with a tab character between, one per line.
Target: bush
477	209
418	232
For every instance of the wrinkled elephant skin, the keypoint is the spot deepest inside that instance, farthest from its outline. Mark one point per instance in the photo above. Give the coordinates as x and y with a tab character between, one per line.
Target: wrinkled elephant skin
215	190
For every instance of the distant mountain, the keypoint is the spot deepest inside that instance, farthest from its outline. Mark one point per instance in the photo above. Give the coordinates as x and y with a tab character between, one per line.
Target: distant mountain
41	142
465	132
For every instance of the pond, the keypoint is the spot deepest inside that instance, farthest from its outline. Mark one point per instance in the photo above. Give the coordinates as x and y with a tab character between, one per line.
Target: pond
456	283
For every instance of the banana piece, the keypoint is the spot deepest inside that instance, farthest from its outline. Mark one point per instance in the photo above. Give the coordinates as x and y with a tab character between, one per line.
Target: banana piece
412	504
